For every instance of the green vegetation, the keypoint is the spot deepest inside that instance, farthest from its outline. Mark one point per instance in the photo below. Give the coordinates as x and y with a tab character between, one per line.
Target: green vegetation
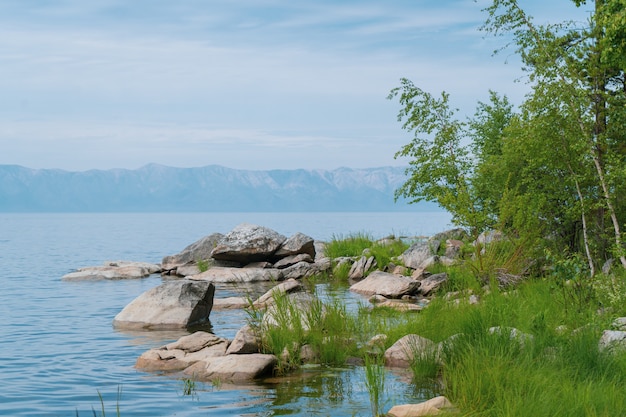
554	166
203	265
550	365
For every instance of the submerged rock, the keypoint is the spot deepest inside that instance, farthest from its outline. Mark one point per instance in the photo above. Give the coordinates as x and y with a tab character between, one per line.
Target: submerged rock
114	270
233	368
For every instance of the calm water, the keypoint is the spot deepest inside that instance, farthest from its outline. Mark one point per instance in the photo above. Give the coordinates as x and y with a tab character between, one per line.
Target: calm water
58	349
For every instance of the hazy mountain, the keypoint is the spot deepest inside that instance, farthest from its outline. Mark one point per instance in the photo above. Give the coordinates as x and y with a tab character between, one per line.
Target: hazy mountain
211	188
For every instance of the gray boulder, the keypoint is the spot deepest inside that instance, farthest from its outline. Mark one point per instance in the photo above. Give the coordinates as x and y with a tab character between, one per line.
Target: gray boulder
233	368
238	275
199	250
361	267
432	283
388	285
248	243
613	340
292	260
304	269
419	252
173	304
296	245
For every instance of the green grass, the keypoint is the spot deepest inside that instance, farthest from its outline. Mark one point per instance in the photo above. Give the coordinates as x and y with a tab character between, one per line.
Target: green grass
556	371
352	245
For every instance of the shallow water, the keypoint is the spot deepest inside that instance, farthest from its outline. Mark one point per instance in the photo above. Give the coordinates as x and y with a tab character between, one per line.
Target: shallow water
58	350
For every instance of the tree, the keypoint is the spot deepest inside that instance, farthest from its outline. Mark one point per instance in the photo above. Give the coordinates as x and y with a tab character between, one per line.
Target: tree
578	69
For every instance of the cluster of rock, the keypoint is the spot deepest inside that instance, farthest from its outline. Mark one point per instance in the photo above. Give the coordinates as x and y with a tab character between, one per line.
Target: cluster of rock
251	253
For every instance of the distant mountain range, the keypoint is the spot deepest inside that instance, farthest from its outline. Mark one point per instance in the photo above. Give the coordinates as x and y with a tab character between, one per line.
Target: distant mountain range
158	188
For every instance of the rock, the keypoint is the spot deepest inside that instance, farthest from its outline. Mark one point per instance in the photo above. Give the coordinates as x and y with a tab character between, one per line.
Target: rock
361	267
288	286
612	340
400	305
303	270
238	275
298	244
388	285
233	368
186	270
260	264
404	351
377	298
432	283
490	236
248	243
302	303
453	248
183	353
173	304
431	407
419	252
451	234
619	323
230	303
308	354
292	260
320	250
114	270
199	250
245	342
512	333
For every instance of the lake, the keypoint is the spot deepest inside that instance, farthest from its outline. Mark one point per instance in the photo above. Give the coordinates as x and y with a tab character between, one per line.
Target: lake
59	352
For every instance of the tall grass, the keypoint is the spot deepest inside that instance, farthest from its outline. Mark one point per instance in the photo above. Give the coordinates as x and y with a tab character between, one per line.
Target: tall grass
375	382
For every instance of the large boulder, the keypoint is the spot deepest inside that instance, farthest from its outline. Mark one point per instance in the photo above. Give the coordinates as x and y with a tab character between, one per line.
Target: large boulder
199	250
238	275
248	243
287	287
233	368
402	353
296	245
173	304
415	256
114	270
182	353
386	284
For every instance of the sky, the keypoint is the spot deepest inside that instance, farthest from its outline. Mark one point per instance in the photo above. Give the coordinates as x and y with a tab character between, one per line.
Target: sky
246	84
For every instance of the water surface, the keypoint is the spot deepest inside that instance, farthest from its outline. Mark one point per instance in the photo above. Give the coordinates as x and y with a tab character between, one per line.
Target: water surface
58	349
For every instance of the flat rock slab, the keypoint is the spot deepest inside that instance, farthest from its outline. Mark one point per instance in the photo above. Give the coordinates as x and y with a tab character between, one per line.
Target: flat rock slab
113	270
233	368
223	274
183	353
388	285
173	304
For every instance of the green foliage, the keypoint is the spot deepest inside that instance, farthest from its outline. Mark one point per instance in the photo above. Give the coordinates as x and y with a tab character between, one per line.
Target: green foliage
203	265
375	382
385	251
554	167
